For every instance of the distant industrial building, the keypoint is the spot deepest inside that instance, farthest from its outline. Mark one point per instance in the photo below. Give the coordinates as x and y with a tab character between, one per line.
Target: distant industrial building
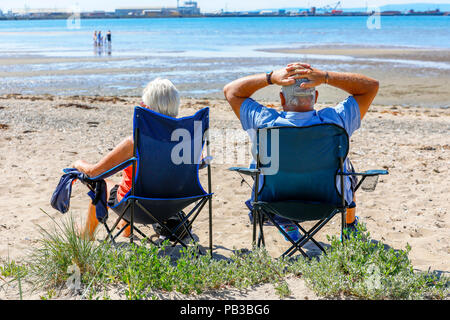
94	14
391	13
146	11
190	8
41	13
436	12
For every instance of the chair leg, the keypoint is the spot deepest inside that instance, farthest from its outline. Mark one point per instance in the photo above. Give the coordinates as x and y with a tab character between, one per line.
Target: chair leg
210	225
307	233
116	223
109	233
294	244
308	236
311	233
255	218
133	207
161	223
186	230
261	230
343	222
121	230
197	209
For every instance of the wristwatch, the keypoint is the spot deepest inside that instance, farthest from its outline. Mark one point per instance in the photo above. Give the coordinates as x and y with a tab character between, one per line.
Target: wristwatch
269	77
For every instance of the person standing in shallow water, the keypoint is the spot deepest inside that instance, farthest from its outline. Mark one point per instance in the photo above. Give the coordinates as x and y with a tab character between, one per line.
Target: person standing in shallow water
99	38
95	38
108	40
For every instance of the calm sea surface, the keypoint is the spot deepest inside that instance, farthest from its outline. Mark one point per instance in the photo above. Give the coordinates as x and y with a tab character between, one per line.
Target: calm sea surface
188	51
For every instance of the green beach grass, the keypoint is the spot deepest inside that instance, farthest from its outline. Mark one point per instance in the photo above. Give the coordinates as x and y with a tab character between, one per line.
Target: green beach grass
358	268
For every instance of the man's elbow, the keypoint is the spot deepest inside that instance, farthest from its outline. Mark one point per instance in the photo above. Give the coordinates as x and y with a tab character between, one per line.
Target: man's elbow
227	92
372	88
374	85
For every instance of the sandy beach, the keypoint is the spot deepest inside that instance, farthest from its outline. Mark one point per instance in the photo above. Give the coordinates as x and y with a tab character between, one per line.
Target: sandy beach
42	134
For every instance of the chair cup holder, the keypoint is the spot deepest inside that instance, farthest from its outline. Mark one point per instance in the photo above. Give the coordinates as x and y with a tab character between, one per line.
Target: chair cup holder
370	183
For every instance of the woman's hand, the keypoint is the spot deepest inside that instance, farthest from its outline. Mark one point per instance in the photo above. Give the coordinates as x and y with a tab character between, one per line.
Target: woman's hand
83	166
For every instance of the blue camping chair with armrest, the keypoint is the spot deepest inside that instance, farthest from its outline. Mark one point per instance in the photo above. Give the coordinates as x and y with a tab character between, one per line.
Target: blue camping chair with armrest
166	163
300	182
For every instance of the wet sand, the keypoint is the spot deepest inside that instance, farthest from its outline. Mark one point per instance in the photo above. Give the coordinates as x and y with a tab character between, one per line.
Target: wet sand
408	76
400	83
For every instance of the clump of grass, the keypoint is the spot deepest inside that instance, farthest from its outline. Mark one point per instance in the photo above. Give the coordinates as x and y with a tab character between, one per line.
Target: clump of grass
141	269
366	269
60	248
11	269
282	289
357	267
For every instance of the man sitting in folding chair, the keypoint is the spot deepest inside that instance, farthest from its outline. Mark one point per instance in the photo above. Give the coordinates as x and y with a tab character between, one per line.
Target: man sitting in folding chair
157	177
298	96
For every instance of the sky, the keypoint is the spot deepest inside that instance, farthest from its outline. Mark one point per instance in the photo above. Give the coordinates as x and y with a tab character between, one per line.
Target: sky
205	5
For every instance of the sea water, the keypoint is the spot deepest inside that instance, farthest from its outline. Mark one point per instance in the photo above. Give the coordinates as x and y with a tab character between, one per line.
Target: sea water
206	51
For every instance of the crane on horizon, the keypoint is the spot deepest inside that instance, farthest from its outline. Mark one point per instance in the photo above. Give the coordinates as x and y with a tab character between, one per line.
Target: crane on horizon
333	9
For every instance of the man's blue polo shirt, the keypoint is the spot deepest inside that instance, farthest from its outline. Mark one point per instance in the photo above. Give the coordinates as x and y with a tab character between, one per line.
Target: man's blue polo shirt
346	114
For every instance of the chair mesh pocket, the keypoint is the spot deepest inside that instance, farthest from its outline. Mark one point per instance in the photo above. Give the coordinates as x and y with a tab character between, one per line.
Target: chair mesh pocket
369	184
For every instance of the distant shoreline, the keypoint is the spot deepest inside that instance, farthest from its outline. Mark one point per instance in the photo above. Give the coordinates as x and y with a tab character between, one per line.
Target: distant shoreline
356	14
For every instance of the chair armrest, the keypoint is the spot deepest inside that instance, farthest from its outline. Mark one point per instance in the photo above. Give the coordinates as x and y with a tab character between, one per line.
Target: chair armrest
371	182
367	173
110	172
206	161
246	171
375	172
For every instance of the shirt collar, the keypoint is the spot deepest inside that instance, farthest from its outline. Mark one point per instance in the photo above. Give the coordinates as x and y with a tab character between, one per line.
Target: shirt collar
298	115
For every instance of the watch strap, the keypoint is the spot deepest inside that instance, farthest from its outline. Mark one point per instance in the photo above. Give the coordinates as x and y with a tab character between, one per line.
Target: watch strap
269	77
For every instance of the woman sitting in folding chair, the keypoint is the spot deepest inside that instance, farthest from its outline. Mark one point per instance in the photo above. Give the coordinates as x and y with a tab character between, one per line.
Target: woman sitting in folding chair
161	96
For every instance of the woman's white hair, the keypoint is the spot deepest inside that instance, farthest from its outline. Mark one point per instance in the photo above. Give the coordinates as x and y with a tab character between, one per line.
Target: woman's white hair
161	96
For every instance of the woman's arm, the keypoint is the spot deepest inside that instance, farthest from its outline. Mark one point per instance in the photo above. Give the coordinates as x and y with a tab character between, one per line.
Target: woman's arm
122	152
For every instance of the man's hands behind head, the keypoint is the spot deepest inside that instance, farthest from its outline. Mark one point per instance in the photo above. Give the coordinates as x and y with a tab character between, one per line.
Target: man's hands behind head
287	76
315	76
237	91
362	88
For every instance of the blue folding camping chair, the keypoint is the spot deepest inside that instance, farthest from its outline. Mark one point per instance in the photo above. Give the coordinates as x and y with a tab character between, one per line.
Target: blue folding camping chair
300	174
165	181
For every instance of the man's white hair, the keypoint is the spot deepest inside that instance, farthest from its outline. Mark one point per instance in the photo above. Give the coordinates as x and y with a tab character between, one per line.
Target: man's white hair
300	101
295	96
161	96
